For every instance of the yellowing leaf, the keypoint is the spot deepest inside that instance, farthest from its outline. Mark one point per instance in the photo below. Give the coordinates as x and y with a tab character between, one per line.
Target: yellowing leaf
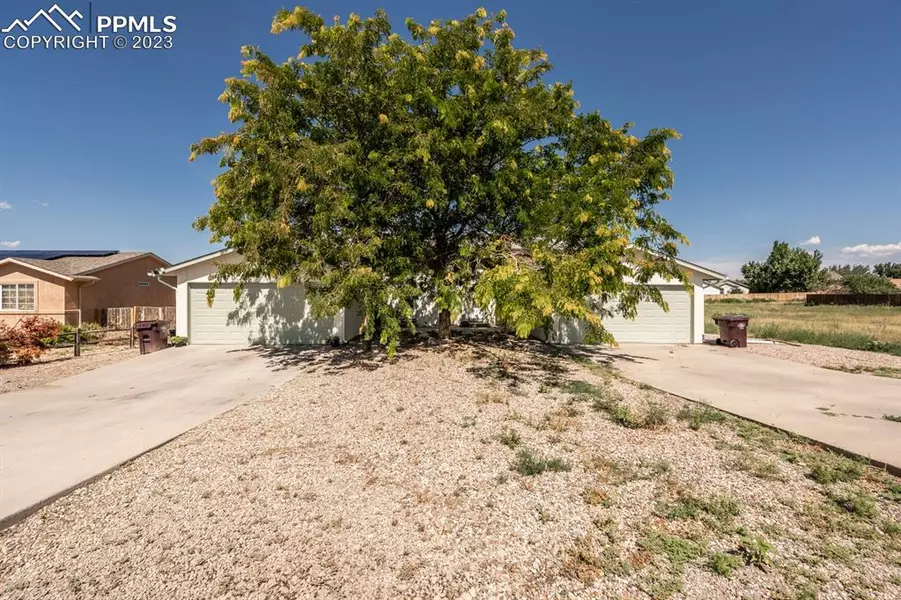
383	119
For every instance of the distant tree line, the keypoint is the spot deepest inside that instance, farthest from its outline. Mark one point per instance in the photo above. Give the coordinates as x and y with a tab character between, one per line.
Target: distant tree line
789	269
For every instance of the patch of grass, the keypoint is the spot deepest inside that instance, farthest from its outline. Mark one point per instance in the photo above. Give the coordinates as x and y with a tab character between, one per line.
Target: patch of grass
838	552
756	551
893	491
698	416
895	418
510	437
678	550
468	422
724	564
831	468
857	503
543	515
758	467
889	372
491	397
622	472
719	510
582	388
891	528
595	496
529	464
871	328
657	416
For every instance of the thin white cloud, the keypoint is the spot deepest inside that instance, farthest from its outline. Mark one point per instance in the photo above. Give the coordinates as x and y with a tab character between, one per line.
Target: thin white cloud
10	244
812	241
872	250
5	206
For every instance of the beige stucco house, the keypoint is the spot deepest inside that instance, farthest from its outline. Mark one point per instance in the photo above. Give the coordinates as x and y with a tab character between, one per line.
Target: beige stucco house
74	287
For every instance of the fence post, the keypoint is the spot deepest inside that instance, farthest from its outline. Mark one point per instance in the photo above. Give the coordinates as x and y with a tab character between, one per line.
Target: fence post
77	342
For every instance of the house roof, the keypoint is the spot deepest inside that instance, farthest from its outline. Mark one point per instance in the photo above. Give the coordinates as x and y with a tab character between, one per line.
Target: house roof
216	254
76	265
897	282
727	282
196	260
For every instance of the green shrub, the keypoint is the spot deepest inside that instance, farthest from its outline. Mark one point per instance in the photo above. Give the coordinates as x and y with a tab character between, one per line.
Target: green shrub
528	463
856	503
832	468
697	416
178	340
510	437
723	564
756	551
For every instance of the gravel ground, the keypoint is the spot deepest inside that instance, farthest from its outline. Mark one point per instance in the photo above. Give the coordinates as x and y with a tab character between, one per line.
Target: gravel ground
59	363
362	479
825	356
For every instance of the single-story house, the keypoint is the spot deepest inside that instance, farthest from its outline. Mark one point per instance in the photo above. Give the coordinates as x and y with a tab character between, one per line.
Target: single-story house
273	315
725	286
74	286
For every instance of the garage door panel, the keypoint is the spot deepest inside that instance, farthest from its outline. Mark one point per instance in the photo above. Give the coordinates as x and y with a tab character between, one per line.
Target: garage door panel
651	325
264	314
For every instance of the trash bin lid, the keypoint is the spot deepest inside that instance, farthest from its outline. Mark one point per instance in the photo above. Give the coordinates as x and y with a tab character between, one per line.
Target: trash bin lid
143	325
729	318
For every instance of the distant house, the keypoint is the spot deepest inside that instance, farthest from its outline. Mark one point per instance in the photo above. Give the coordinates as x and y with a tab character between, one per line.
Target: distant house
725	286
897	282
74	286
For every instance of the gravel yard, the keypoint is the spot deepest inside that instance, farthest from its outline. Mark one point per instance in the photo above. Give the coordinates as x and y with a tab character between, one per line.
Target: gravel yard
59	363
462	472
824	356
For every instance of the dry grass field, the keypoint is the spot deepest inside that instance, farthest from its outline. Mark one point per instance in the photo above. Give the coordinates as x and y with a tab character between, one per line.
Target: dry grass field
876	328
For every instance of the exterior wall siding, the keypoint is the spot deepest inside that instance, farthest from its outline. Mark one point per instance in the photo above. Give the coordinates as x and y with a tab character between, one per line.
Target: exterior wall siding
52	294
118	286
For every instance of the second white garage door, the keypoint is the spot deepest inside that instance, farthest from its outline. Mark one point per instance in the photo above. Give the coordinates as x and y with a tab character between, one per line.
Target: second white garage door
265	314
653	325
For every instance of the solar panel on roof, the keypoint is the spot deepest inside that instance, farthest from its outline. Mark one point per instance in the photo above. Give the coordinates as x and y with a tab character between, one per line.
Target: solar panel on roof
54	254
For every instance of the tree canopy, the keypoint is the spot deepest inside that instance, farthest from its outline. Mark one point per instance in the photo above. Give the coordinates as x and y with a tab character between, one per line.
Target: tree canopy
890	270
786	269
377	168
869	283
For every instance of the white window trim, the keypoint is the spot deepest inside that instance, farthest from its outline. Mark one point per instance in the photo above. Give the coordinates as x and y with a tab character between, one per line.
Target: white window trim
17	309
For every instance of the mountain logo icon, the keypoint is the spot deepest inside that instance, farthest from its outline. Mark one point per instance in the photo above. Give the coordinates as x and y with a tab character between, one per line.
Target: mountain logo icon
48	16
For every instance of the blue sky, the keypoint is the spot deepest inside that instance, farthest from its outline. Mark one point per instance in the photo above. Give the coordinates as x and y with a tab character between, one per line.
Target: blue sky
789	112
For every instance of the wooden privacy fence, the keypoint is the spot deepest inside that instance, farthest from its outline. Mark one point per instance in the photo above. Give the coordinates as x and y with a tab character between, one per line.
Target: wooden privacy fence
856	299
775	296
127	316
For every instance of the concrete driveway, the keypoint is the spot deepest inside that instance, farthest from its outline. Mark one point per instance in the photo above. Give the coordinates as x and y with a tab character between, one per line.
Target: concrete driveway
840	409
55	437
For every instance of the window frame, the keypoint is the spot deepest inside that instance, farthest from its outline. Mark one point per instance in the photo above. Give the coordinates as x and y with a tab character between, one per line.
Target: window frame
17	286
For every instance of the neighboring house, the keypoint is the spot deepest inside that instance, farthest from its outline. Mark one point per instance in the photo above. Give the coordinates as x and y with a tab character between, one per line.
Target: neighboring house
897	282
267	314
725	286
74	286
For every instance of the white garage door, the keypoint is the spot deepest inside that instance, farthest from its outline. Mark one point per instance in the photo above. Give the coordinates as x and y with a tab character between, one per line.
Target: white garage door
265	315
652	324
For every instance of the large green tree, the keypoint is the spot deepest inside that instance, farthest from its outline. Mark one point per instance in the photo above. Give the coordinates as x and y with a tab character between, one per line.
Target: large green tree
377	167
786	269
890	270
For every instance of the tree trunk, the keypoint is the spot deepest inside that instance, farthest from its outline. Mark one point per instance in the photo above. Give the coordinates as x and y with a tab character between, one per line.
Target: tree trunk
444	324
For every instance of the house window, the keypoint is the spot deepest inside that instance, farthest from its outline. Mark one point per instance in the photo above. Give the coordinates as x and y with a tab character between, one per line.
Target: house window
17	296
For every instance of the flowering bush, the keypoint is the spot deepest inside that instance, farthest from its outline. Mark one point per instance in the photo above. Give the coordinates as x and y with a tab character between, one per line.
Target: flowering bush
24	343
